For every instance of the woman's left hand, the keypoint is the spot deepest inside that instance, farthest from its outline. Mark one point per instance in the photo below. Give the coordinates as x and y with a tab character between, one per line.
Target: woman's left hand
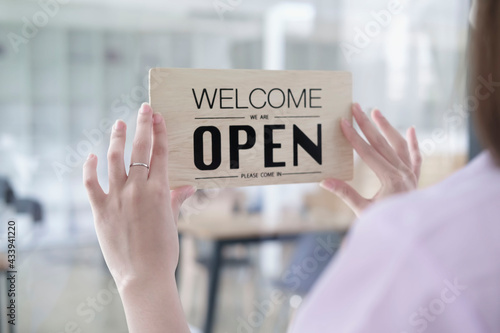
136	222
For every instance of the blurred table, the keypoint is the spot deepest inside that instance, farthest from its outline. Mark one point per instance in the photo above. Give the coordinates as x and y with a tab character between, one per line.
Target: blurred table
244	229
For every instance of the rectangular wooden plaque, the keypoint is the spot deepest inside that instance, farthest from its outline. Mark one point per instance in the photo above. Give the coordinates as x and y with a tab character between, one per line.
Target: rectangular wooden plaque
229	128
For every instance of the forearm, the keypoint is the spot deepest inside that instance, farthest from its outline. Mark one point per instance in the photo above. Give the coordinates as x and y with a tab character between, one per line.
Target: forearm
153	307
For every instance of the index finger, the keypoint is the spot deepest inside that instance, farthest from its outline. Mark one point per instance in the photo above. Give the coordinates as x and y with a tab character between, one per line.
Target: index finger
159	156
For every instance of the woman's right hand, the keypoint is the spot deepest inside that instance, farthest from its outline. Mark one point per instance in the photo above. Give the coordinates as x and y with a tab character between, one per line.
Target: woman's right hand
395	161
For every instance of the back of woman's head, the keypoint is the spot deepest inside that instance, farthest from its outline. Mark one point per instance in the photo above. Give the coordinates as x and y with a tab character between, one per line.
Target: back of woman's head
484	82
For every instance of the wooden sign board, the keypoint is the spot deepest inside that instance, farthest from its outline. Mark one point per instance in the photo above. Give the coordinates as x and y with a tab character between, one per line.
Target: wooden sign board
230	128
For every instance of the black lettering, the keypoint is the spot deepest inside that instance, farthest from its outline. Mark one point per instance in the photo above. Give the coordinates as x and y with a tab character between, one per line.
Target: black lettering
269	146
236	97
235	146
224	97
290	97
199	160
311	98
300	139
204	94
269	98
250	98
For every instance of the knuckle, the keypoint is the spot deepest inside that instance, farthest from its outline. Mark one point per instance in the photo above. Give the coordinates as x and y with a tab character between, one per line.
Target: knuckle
393	176
403	180
364	149
380	141
161	190
397	183
402	171
88	182
135	192
115	155
362	120
401	146
161	150
407	174
418	159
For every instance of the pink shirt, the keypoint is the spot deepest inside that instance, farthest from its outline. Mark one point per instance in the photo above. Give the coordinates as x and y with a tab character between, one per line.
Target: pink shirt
425	261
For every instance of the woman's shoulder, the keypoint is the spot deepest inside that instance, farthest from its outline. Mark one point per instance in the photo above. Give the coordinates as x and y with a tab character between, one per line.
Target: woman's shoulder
405	251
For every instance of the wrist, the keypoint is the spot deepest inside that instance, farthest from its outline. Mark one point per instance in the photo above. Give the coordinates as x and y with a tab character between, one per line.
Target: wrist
152	304
137	284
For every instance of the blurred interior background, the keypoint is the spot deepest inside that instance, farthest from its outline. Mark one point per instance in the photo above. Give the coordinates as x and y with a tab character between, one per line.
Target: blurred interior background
69	69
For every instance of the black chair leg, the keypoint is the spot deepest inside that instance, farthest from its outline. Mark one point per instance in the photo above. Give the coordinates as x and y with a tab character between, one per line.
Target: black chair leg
213	285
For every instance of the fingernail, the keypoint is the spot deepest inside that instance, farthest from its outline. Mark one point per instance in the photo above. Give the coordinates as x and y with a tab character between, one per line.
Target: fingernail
119	125
358	107
145	108
378	113
346	123
157	118
91	156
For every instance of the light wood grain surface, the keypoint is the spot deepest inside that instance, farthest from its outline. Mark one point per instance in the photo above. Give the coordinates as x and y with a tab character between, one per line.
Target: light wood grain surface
171	93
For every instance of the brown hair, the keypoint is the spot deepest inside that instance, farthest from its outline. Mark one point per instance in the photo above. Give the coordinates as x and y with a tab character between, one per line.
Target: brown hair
484	82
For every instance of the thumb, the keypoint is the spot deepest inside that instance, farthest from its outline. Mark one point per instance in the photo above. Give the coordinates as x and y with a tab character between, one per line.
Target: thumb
345	192
177	198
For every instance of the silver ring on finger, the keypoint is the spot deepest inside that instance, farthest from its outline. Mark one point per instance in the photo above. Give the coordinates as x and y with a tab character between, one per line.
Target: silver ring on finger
140	164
